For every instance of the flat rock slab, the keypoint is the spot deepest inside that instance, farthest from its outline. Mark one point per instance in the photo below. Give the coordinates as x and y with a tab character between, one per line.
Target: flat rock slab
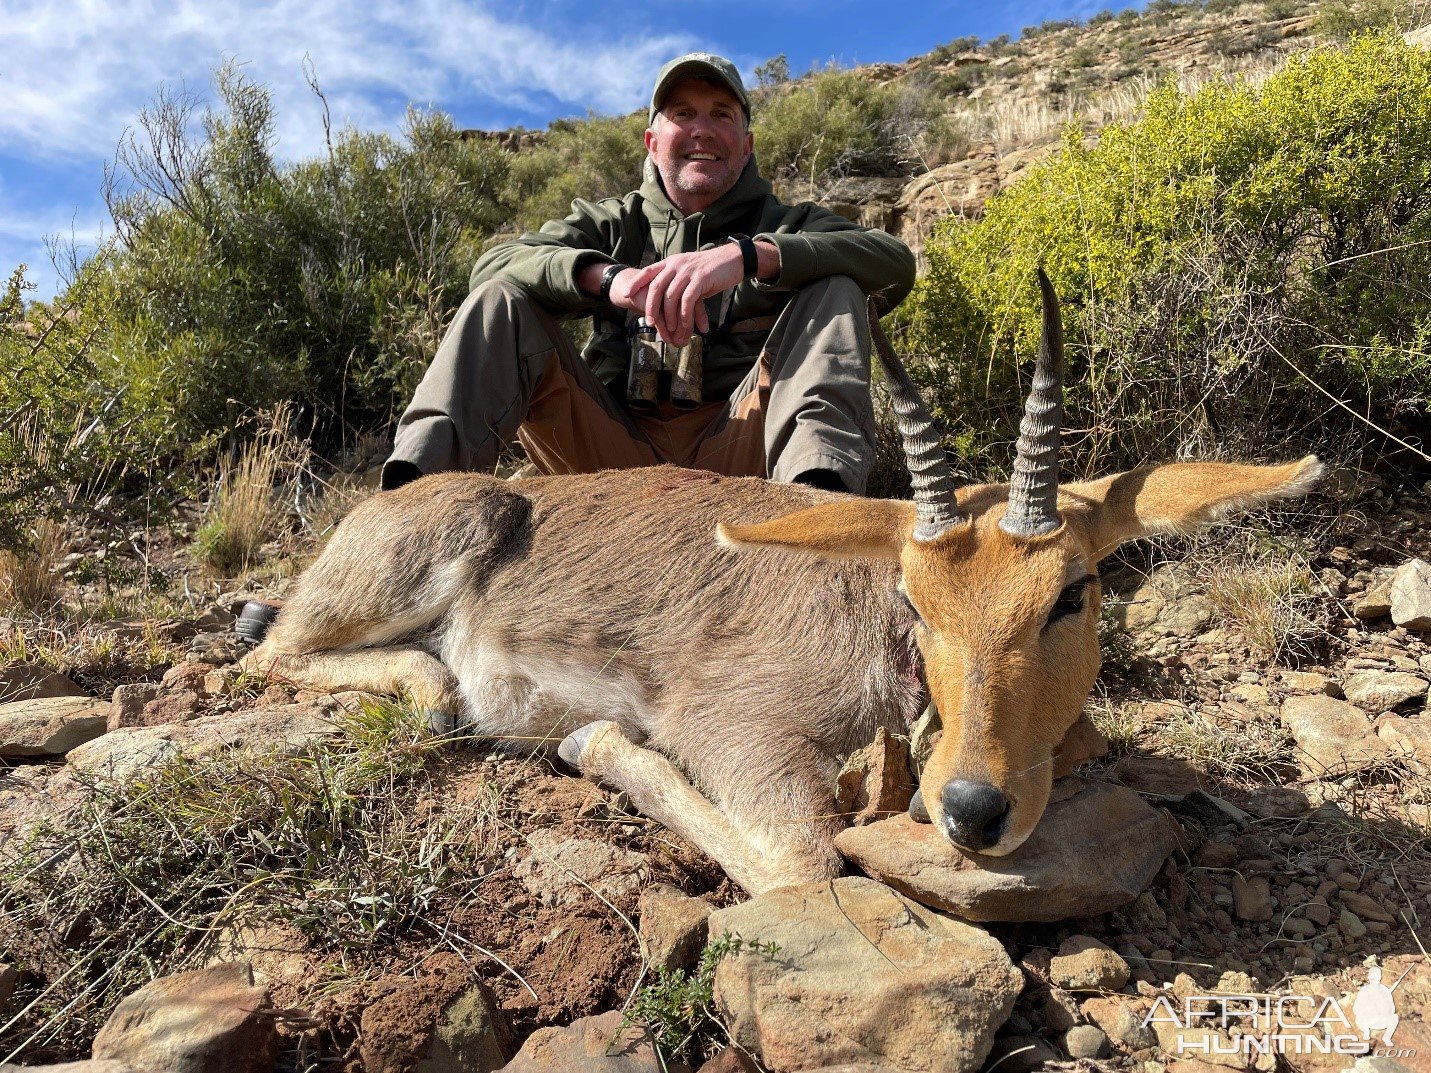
122	754
560	869
1332	736
1380	691
862	976
1096	848
50	726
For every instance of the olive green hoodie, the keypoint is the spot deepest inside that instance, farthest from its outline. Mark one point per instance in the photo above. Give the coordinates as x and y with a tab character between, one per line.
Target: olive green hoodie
644	226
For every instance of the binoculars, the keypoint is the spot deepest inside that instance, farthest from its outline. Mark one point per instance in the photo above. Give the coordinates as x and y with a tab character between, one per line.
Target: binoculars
659	369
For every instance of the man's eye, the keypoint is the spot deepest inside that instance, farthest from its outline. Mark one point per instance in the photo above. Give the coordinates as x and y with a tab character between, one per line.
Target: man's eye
1070	601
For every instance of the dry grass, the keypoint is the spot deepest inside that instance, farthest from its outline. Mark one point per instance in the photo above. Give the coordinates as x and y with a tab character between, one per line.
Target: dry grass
337	840
1247	752
246	511
1271	604
30	580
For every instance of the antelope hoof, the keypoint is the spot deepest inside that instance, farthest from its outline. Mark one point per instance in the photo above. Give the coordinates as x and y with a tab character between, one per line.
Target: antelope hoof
441	724
575	744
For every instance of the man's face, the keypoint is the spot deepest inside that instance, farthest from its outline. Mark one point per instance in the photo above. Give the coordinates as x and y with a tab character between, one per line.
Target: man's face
699	143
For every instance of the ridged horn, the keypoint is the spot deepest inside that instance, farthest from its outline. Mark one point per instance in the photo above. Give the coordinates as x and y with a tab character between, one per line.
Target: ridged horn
1033	488
933	480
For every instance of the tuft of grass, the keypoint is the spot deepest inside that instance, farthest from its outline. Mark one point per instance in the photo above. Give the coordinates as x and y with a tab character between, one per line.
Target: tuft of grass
331	839
1249	752
245	511
1272	604
1119	722
678	1006
29	579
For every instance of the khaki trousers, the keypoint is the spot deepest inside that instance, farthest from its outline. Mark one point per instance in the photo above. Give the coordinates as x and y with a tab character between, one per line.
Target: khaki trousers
506	370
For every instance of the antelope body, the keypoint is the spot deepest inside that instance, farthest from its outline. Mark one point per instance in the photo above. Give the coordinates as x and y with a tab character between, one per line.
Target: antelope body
716	646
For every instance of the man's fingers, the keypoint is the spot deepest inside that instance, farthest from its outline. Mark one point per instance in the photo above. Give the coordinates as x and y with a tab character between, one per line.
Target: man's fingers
703	320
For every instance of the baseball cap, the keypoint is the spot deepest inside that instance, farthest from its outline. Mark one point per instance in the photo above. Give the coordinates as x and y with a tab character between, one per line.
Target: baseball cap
699	65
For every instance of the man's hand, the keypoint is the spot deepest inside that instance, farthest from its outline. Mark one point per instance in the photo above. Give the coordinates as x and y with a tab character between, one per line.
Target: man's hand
673	291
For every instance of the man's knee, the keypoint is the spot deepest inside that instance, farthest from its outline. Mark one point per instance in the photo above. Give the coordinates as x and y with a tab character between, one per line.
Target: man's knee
841	289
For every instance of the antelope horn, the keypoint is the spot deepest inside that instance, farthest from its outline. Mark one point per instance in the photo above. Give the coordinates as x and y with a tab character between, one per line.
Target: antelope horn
1033	488
934	504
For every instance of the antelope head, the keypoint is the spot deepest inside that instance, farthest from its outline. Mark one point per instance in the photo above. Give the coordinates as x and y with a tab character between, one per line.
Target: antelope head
1003	580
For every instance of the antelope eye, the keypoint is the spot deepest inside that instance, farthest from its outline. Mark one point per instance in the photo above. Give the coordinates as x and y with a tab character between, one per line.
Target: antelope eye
1070	601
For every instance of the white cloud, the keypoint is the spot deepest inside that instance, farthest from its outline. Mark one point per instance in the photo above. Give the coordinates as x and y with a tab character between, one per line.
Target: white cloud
74	73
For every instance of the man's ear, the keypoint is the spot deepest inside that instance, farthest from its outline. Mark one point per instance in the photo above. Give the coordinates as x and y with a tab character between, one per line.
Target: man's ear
848	529
1180	497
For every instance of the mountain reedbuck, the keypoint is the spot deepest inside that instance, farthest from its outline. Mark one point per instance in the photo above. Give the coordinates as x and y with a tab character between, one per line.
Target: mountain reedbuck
716	646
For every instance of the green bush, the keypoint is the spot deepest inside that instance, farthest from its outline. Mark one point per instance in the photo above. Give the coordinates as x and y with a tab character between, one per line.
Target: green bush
834	123
596	157
237	282
1240	269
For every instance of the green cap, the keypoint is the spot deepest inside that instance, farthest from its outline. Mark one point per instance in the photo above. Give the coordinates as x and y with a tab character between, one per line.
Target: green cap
699	65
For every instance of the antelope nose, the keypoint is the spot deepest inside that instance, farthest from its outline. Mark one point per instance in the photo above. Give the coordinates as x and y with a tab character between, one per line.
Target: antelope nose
976	812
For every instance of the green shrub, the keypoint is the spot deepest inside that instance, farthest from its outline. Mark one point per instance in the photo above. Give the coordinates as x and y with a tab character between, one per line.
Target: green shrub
237	282
591	158
836	122
1343	18
1230	264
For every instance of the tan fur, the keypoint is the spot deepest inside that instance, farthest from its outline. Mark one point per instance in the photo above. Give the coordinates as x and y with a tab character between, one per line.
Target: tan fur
751	664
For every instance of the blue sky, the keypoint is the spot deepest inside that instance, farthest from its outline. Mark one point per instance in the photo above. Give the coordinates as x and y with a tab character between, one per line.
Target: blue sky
74	73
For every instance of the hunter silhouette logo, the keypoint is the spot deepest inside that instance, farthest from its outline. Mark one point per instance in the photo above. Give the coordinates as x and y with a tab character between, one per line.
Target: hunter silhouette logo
1279	1024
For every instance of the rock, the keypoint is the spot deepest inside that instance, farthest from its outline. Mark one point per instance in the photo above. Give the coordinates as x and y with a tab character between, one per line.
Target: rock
50	726
1374	603
1021	1054
1254	696
559	869
673	926
1121	1018
876	781
172	707
1186	617
1096	847
1408	739
438	1022
465	1038
210	1020
9	978
1084	964
1309	682
1350	924
128	703
923	736
125	753
730	1060
1381	691
1318	913
1085	1041
863	974
1252	898
1083	741
88	1065
1157	775
590	1045
1332	736
1365	907
187	676
34	681
1281	801
1411	595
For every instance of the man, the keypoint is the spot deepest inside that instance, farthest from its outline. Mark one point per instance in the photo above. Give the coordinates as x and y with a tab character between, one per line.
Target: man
783	391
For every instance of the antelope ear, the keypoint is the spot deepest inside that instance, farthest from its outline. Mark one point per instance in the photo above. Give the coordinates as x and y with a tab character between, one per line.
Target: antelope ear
849	529
1180	497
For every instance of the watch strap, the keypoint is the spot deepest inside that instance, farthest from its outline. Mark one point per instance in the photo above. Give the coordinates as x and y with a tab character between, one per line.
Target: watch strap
751	265
607	279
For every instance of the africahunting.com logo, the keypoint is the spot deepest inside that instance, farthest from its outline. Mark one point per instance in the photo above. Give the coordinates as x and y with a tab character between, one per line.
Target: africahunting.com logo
1253	1025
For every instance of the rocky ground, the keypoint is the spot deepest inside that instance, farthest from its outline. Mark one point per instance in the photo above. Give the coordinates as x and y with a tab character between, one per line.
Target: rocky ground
1258	826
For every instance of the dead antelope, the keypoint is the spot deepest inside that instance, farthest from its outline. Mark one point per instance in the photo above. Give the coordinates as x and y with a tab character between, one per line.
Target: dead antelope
716	646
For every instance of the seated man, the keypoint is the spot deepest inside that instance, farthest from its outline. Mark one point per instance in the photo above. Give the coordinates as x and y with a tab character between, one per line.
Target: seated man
779	384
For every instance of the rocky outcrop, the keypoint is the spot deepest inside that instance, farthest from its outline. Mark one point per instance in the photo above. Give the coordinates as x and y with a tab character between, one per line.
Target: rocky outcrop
591	1045
862	974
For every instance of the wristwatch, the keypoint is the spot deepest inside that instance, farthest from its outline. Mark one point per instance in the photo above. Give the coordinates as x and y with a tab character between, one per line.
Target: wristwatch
751	266
607	279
